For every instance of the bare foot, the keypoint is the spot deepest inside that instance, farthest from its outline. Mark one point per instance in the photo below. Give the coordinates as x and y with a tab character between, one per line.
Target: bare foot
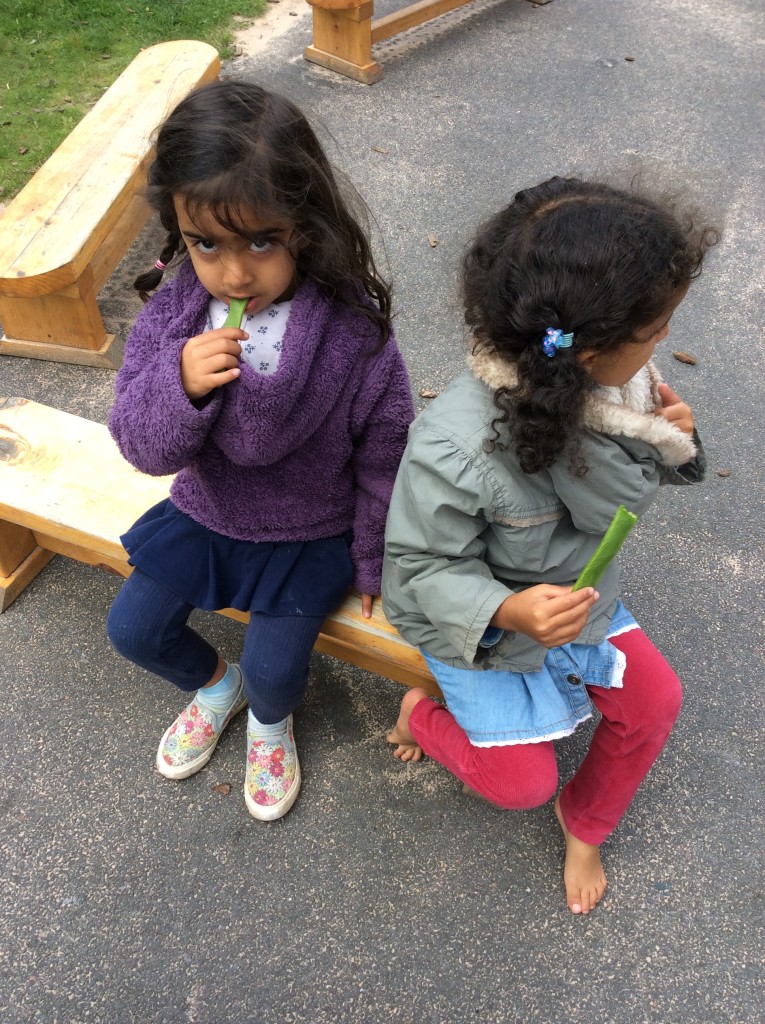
407	748
583	873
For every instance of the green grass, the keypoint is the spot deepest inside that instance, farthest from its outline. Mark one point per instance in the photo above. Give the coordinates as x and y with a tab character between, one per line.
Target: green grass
58	56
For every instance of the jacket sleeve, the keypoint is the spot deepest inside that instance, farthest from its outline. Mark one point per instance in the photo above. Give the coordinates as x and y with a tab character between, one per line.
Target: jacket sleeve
620	471
156	427
380	418
691	472
441	506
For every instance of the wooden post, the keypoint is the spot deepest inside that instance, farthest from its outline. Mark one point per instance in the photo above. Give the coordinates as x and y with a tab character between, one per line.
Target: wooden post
64	326
20	561
342	39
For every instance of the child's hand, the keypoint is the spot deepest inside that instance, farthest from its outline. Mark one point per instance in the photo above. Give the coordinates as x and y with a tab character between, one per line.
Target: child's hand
550	615
674	410
211	360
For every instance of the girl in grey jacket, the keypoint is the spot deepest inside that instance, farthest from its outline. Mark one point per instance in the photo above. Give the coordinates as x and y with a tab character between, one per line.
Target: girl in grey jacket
510	480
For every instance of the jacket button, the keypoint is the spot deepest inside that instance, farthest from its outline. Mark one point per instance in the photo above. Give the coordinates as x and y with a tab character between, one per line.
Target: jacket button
574	680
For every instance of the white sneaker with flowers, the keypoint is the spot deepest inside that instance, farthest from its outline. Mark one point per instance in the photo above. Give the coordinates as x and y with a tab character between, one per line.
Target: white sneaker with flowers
272	779
190	741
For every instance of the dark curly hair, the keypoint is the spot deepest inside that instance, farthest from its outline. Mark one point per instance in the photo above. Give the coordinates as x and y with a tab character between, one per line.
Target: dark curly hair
231	147
584	257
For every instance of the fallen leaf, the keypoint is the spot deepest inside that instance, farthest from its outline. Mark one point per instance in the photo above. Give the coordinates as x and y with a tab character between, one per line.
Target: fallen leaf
378	149
427	393
224	788
432	241
683	357
723	472
23	149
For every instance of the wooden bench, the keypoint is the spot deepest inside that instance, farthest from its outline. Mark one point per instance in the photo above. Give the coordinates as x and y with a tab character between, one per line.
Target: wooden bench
65	489
344	32
68	228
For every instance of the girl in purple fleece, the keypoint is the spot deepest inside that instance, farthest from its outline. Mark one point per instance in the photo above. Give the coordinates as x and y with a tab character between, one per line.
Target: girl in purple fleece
285	434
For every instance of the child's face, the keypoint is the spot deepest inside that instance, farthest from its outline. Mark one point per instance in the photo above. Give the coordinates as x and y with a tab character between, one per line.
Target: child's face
256	264
618	366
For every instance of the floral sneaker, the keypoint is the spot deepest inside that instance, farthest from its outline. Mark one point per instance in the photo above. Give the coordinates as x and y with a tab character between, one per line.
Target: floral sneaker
190	741
272	779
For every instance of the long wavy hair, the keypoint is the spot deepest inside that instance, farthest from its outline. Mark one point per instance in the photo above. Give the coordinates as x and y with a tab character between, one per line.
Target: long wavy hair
583	257
232	148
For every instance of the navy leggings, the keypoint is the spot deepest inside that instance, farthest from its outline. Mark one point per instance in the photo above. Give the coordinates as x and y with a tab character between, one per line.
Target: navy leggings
147	624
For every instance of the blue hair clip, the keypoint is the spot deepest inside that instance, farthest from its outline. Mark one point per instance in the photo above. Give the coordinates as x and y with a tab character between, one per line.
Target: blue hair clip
555	339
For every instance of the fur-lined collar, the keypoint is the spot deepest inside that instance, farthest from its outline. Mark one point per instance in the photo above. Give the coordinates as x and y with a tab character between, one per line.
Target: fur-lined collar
629	410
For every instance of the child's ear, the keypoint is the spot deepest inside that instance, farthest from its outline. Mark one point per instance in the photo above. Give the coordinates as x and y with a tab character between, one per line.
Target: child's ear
587	357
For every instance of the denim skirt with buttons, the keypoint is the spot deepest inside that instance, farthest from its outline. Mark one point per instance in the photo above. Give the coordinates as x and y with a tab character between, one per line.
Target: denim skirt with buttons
500	708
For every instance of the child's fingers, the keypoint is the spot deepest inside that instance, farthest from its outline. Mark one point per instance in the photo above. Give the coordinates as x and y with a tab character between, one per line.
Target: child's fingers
220	377
197	352
678	414
220	333
571	602
562	618
546	612
667	395
222	346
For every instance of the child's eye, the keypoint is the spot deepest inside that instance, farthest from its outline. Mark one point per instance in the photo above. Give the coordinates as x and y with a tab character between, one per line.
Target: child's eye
261	244
206	247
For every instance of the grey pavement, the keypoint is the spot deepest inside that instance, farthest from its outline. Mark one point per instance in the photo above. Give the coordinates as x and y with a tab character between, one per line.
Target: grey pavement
386	895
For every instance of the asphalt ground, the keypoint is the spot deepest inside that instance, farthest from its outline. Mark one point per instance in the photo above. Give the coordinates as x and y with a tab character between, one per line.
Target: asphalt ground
385	894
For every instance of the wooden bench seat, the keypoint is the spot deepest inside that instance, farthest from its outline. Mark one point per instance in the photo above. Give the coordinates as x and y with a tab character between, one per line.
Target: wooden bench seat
344	32
66	231
65	489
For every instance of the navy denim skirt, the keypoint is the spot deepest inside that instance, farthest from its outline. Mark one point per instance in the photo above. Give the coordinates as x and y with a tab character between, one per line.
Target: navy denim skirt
211	571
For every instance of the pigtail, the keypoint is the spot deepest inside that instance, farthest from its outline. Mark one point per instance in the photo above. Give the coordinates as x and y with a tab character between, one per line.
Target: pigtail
543	412
546	408
152	279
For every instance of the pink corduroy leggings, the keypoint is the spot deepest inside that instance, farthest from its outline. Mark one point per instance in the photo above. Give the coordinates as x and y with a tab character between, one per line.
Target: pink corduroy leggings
637	719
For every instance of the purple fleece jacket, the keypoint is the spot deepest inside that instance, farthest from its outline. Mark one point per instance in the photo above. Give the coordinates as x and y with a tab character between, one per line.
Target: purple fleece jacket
306	453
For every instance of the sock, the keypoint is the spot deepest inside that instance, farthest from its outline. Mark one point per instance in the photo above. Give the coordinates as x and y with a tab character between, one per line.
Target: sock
220	697
265	732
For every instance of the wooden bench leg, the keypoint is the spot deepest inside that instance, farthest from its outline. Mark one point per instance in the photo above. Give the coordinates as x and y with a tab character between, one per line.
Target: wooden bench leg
342	39
20	561
63	326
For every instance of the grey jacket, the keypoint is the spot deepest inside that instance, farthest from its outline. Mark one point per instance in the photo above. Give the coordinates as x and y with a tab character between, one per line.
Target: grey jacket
466	527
